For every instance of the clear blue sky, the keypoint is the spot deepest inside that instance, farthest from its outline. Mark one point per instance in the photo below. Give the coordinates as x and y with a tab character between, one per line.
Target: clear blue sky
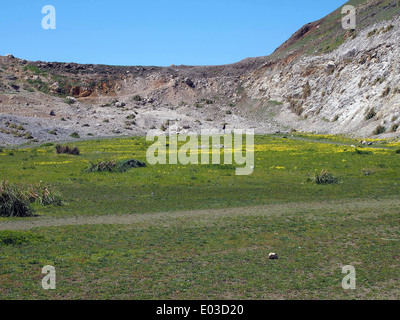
154	32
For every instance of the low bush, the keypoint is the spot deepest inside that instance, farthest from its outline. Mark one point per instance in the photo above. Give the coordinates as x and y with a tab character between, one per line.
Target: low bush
114	166
13	202
379	130
370	114
67	150
325	177
44	195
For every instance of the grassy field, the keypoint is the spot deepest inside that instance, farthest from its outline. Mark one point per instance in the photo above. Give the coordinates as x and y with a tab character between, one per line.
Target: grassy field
200	231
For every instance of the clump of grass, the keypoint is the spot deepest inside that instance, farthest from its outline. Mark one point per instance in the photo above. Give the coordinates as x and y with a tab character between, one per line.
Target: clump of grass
137	98
370	114
67	150
371	33
394	127
44	195
379	130
13	202
18	237
114	166
28	136
75	135
325	177
388	28
378	80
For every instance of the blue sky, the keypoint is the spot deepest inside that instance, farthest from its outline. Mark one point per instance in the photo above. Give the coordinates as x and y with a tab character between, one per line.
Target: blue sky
154	32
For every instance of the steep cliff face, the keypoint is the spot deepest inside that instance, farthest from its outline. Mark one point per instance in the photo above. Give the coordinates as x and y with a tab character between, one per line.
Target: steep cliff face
353	89
323	79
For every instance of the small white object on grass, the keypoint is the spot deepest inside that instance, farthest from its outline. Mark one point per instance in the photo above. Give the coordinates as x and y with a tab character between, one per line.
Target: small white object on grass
273	256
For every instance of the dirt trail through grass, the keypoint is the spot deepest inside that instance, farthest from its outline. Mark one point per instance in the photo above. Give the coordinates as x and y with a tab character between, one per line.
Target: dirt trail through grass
361	206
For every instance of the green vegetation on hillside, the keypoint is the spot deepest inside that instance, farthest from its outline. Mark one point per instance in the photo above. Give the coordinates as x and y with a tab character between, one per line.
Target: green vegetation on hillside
330	33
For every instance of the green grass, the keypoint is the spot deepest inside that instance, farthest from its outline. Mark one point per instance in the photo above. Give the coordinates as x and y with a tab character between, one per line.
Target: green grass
316	229
214	258
36	70
176	187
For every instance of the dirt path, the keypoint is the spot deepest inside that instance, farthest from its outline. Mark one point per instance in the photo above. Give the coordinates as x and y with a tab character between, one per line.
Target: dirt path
307	210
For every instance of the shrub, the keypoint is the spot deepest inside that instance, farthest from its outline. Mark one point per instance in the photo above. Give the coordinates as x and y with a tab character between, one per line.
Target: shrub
125	165
378	80
379	130
395	127
371	33
137	98
370	114
113	166
28	136
75	135
44	195
13	202
388	28
67	150
325	177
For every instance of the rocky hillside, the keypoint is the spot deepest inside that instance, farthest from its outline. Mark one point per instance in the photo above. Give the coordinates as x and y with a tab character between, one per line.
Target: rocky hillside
323	79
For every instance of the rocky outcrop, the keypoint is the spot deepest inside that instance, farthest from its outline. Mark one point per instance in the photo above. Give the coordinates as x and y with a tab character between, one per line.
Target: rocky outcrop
332	93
